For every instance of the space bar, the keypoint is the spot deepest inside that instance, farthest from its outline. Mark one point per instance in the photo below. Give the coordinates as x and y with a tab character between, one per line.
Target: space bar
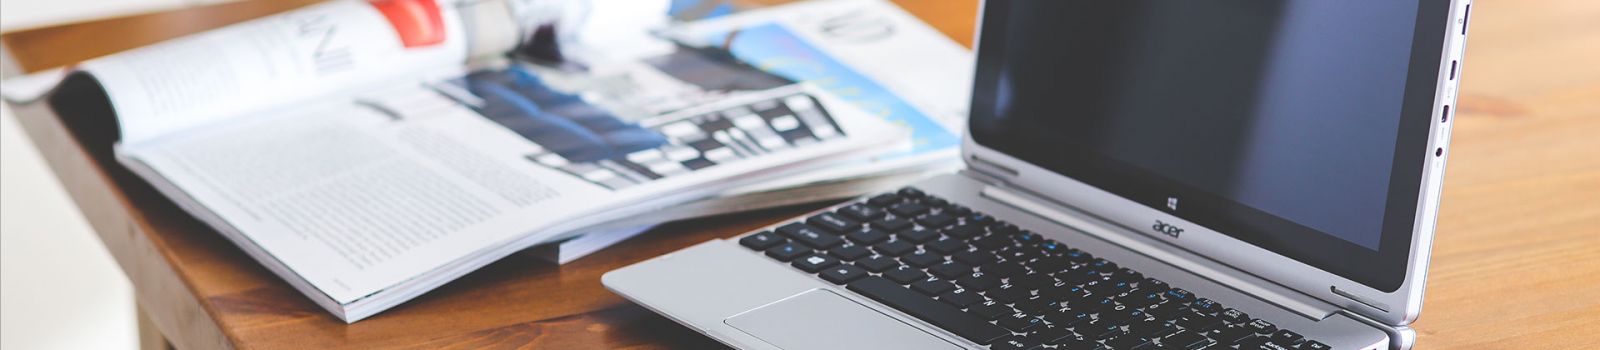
939	314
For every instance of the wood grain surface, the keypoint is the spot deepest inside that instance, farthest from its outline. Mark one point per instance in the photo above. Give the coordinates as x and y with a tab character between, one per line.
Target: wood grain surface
1516	259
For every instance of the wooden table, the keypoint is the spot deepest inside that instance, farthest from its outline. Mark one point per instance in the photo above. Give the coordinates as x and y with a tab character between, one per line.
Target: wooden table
1516	263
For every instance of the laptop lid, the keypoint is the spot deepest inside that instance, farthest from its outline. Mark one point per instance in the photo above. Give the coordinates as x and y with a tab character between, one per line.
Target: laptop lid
1300	141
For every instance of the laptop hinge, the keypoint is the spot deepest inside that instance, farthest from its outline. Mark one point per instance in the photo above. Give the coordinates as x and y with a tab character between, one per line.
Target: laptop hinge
1400	337
988	171
1304	306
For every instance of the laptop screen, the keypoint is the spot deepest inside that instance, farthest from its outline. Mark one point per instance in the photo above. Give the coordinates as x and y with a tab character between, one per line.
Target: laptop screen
1277	122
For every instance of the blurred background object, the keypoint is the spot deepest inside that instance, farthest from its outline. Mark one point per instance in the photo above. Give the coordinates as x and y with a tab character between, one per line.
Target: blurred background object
59	288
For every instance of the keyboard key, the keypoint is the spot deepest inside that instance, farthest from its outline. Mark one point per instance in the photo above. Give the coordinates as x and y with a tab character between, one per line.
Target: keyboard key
990	310
1051	247
905	275
1286	337
907	209
1206	306
1229	334
979	282
1121	314
810	236
935	202
1066	318
917	235
1078	256
894	248
950	270
1129	275
762	241
1103	266
1254	343
1314	345
1004	269
849	252
1152	328
1091	305
1140	298
1262	343
843	274
1012	342
868	236
1008	293
883	200
1078	344
1018	253
1234	316
1154	285
936	221
973	257
960	297
946	246
1027	238
1167	310
964	231
1261	327
922	259
1179	295
815	263
958	210
1126	342
981	219
878	264
1186	339
1098	329
1109	288
1038	305
891	225
832	222
1198	321
933	287
1003	229
1019	322
861	212
1065	292
1033	280
788	251
911	193
939	314
992	242
1050	264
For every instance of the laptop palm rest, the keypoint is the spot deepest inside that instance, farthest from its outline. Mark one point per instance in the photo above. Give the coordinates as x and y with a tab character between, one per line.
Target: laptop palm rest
820	319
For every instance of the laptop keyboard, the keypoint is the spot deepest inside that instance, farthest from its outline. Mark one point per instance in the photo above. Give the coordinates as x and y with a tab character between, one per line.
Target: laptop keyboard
995	284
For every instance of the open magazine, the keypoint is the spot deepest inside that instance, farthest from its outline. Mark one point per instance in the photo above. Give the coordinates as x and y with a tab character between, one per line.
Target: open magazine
366	165
872	54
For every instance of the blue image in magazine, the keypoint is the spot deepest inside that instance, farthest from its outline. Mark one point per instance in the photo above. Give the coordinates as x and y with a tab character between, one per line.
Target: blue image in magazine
774	49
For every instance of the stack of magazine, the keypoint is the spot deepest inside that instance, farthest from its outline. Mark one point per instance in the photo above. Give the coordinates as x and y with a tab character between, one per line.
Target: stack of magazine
366	153
870	53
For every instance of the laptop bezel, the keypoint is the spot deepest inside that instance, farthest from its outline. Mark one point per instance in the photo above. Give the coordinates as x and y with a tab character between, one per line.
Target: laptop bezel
1398	306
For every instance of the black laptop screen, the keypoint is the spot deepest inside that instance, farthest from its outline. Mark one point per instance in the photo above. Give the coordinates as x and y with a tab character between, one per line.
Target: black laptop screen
1273	121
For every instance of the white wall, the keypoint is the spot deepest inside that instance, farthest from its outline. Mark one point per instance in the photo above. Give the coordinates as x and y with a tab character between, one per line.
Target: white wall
59	289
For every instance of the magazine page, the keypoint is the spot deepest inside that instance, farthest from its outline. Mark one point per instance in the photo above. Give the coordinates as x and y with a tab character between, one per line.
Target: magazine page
869	53
362	195
274	61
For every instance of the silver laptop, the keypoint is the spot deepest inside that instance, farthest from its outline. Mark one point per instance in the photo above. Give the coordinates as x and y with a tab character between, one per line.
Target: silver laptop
1139	175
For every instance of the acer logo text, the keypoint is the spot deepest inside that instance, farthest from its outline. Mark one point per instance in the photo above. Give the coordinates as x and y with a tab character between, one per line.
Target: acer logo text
1167	229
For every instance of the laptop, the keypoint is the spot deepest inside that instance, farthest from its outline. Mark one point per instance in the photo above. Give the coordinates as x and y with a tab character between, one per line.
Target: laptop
1138	175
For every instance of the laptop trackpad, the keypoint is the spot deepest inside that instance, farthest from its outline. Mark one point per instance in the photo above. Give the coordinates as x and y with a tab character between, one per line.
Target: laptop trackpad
820	319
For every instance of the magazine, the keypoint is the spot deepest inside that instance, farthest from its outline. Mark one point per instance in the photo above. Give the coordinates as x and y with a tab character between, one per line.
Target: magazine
347	148
869	52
